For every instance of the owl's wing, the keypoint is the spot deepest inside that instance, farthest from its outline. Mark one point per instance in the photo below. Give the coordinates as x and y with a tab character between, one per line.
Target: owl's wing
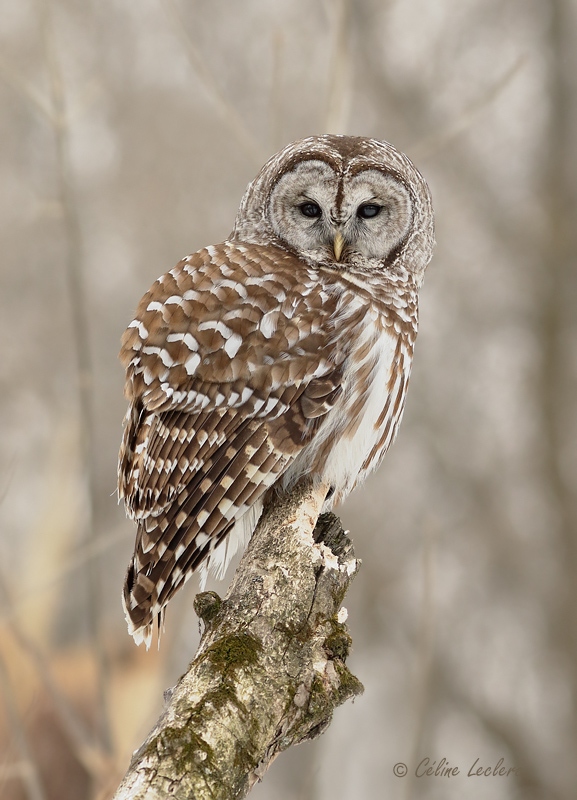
232	363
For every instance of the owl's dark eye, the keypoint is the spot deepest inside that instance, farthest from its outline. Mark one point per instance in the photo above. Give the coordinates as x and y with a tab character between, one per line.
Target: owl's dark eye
368	210
310	210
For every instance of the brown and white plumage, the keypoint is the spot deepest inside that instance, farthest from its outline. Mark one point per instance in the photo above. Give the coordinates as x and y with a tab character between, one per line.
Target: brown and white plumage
282	352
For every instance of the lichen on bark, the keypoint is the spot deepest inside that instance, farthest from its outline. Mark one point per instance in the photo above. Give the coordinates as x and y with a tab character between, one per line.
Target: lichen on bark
270	668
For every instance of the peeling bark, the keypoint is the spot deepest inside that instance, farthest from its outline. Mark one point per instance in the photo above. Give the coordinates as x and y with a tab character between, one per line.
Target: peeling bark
270	668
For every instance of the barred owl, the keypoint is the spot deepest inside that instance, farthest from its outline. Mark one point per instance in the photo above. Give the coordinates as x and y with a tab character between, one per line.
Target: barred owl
285	351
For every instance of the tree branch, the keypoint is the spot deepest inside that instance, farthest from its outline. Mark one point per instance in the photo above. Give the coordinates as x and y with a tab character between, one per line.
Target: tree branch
270	668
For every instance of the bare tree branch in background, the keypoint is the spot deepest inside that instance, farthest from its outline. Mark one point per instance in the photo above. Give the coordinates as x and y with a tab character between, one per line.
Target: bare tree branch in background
84	742
79	315
426	147
276	107
74	562
555	385
270	668
340	68
30	776
227	111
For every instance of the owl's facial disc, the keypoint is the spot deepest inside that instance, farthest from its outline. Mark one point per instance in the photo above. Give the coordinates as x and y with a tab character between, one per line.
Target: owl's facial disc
377	213
325	215
302	208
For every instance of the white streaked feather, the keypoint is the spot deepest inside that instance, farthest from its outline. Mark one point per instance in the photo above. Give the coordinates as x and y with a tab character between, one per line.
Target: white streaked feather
347	455
219	558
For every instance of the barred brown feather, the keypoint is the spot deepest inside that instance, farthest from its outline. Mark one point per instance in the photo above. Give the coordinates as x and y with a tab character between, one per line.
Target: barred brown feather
267	357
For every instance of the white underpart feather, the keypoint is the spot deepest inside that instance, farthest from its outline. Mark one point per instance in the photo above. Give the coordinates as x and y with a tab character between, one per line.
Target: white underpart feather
219	558
347	455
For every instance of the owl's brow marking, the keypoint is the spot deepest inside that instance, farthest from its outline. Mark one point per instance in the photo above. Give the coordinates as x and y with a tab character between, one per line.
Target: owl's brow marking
340	195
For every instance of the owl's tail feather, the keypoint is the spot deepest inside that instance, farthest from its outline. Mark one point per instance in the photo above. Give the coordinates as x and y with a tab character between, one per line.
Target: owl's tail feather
139	620
143	600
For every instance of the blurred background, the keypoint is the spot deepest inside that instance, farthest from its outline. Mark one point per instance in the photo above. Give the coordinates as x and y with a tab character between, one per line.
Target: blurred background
128	133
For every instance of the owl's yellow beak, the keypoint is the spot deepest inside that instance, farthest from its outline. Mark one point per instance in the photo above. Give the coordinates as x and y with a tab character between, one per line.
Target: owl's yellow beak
338	244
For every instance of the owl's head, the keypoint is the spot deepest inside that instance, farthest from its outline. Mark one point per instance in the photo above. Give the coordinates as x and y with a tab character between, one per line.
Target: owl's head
344	201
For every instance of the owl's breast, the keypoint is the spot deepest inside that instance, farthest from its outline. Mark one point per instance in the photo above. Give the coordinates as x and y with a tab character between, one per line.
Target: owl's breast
363	423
